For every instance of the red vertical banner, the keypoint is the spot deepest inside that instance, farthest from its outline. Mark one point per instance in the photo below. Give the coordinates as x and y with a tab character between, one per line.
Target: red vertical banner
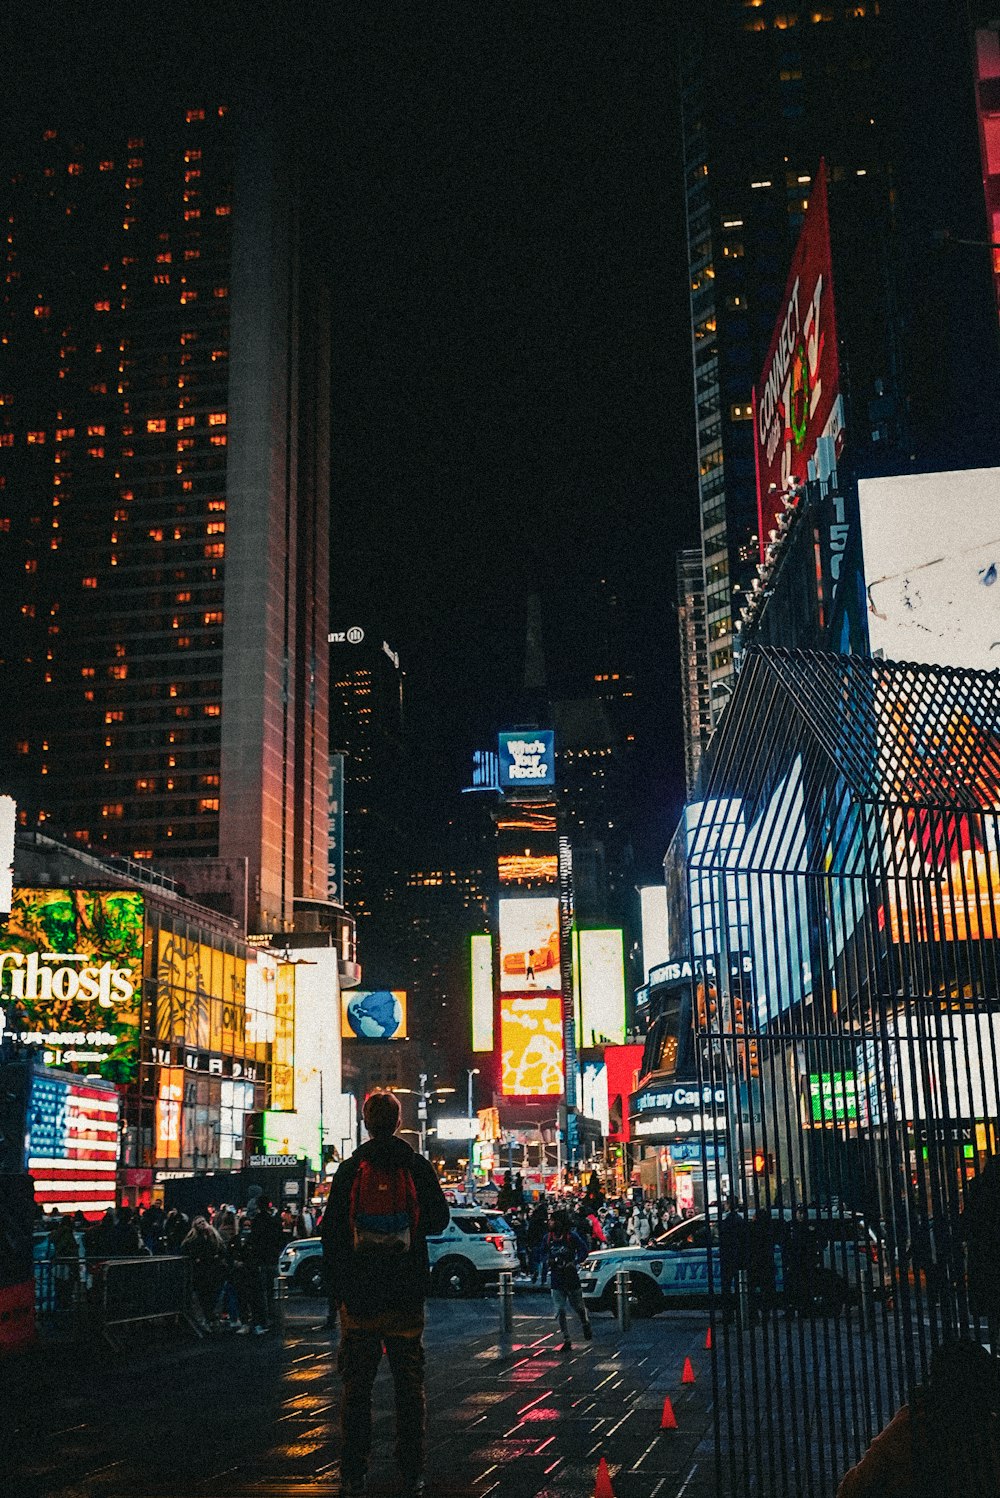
797	399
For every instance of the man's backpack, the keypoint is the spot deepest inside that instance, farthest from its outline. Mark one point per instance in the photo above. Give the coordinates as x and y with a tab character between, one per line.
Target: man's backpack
383	1209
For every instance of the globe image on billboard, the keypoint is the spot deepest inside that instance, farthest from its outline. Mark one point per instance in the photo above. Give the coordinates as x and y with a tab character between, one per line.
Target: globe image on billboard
375	1016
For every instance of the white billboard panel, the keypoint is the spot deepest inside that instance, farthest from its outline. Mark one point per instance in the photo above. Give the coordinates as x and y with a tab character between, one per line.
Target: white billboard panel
602	988
931	545
655	933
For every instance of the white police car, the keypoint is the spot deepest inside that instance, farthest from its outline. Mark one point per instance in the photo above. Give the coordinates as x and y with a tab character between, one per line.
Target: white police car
470	1253
674	1268
671	1268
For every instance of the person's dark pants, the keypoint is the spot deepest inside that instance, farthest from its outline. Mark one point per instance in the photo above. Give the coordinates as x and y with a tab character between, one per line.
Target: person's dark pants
262	1293
357	1363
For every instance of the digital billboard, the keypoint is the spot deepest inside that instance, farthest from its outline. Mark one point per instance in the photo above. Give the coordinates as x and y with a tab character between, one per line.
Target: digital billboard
602	987
988	112
528	868
931	544
531	1045
529	944
655	934
73	1143
527	760
373	1014
481	964
71	977
797	400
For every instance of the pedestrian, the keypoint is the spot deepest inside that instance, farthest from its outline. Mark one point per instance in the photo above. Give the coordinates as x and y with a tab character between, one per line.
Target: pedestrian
262	1242
529	966
946	1442
304	1225
204	1247
564	1249
175	1229
384	1203
733	1256
640	1227
761	1243
538	1223
979	1227
125	1240
801	1258
517	1191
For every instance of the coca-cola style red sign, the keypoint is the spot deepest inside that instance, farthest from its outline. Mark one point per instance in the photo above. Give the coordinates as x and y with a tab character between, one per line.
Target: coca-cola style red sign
796	401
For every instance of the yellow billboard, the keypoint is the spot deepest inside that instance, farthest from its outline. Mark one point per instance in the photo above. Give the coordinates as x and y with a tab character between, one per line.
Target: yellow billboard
531	1045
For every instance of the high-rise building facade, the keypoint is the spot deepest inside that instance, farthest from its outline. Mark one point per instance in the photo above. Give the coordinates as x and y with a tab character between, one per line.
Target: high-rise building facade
883	93
164	501
694	662
366	728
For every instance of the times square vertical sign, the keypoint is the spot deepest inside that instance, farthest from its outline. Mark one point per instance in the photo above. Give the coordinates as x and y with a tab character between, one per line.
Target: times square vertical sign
797	400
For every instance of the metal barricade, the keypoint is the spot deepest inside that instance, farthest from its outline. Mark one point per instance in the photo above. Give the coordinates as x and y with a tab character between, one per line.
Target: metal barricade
506	1293
623	1299
144	1289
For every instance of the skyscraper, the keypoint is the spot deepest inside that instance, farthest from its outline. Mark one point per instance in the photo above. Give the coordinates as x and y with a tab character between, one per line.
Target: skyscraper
164	503
694	664
366	727
883	92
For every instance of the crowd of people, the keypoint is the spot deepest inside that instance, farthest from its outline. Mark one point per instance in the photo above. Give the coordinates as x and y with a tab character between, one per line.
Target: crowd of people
598	1221
234	1254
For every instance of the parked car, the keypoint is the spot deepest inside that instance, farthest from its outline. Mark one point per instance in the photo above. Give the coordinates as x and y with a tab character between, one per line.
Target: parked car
673	1269
470	1253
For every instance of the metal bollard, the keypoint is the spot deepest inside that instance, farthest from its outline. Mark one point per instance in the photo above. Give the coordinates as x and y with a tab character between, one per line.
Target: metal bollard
280	1303
623	1298
506	1301
743	1291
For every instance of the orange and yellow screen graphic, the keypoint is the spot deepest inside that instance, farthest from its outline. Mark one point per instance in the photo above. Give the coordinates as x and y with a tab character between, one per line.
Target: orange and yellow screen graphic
531	1045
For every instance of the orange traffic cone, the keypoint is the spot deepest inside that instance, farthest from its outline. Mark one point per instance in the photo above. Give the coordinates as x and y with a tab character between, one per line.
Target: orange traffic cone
708	1340
602	1487
669	1419
687	1377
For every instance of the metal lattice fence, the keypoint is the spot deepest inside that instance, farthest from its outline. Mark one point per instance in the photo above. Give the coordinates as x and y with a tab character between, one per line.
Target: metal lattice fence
844	888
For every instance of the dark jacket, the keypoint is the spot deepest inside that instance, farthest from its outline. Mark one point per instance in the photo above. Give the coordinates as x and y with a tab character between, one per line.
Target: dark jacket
564	1251
360	1281
265	1239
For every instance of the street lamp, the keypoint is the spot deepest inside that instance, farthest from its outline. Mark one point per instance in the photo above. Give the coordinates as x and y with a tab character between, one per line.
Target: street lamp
470	1174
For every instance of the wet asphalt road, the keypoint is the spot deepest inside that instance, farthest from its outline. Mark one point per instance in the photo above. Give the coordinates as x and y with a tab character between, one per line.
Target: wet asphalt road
231	1416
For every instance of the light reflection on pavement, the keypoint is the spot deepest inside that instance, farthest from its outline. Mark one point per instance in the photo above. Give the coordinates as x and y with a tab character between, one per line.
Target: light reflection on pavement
255	1418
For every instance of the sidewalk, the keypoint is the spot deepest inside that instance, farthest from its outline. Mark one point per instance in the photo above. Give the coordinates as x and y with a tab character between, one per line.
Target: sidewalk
248	1416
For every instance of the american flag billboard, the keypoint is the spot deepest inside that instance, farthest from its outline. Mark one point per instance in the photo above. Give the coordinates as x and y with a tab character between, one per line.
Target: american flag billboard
73	1143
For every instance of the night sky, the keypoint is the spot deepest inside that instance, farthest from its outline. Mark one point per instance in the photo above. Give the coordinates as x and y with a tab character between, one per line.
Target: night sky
496	200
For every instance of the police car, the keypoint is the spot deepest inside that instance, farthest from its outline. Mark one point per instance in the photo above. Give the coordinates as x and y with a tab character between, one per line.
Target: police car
470	1253
673	1269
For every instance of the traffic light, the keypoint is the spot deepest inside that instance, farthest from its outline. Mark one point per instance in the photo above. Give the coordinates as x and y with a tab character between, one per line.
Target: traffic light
759	1163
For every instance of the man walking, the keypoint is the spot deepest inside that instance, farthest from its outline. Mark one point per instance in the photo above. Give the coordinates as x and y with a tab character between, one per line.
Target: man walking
564	1250
384	1203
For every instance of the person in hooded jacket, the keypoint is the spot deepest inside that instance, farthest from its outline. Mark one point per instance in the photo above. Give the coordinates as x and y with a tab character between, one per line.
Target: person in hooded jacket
381	1295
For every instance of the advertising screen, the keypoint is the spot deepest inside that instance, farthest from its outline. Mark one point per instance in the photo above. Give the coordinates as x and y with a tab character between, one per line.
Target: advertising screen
531	1045
931	544
373	1014
602	987
481	962
655	936
798	398
73	1144
528	868
527	760
71	977
529	944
